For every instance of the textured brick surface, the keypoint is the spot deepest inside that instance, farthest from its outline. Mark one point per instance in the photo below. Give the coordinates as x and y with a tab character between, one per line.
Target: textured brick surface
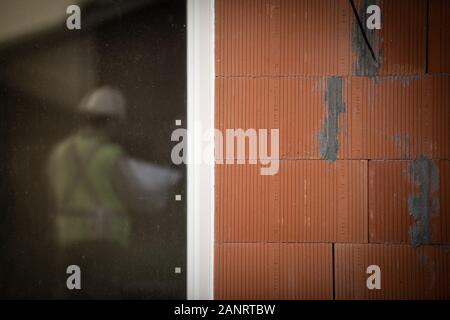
439	37
307	201
322	201
400	44
273	271
319	37
392	187
406	272
364	149
397	117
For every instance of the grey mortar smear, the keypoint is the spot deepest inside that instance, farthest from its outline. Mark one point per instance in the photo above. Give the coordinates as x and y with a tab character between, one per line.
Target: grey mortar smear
425	174
402	142
365	64
329	134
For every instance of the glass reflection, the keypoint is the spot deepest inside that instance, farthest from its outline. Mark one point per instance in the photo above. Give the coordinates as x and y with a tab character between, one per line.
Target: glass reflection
85	123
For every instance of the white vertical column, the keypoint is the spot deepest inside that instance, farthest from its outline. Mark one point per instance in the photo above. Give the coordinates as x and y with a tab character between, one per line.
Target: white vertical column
200	175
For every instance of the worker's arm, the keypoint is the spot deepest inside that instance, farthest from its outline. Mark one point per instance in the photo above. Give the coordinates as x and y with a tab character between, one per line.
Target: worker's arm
144	186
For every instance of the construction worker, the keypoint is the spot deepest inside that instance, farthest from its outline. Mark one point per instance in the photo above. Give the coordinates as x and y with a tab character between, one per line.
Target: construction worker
95	188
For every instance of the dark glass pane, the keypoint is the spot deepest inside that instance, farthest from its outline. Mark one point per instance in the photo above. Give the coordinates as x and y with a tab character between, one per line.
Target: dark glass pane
86	174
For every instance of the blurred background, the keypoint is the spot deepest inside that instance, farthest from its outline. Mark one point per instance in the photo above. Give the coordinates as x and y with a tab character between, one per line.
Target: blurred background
45	70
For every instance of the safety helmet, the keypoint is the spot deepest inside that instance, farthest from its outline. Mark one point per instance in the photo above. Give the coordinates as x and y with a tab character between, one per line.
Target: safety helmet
104	101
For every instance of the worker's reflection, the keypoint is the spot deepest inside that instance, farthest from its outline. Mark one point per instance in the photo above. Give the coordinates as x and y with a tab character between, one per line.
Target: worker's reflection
96	189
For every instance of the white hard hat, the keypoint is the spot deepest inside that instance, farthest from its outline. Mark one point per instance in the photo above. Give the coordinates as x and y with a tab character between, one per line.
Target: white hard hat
104	101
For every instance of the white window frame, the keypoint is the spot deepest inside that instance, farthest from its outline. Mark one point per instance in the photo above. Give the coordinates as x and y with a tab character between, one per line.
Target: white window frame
200	176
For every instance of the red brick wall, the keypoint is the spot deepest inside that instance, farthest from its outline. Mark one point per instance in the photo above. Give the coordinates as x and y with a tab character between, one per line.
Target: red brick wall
344	199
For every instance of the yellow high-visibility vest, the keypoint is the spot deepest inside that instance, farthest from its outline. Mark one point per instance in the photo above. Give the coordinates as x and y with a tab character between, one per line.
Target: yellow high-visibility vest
80	171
